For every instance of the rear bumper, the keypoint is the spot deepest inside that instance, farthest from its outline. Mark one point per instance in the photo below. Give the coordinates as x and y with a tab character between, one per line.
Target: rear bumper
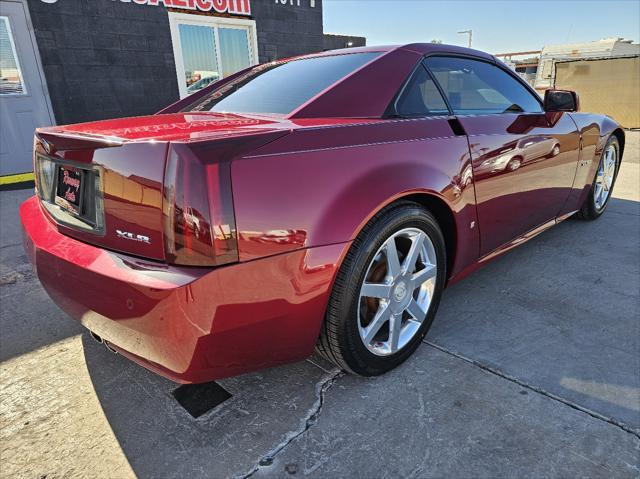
187	324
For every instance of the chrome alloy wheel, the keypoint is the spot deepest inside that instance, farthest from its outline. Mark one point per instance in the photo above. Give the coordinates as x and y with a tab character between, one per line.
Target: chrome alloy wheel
605	176
397	291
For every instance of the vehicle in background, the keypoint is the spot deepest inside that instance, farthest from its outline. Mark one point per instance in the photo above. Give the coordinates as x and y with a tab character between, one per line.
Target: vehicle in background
197	75
200	84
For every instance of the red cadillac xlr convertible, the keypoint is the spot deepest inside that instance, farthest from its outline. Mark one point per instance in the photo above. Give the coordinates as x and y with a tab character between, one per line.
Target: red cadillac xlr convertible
321	201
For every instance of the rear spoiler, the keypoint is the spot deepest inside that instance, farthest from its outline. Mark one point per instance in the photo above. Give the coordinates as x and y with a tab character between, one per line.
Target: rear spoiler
63	141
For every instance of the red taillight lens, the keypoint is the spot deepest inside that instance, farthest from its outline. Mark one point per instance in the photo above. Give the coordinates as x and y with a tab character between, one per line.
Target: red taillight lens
199	225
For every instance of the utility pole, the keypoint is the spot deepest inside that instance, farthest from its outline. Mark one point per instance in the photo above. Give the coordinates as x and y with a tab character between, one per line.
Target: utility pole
470	33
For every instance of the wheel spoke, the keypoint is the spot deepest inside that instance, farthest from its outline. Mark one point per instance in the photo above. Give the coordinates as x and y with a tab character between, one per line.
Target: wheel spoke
611	156
601	196
424	275
395	326
414	310
608	173
414	252
609	166
382	316
403	293
376	290
602	186
393	263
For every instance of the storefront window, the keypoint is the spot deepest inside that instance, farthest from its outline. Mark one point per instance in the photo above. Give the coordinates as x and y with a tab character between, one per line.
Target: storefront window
208	48
198	56
234	50
11	80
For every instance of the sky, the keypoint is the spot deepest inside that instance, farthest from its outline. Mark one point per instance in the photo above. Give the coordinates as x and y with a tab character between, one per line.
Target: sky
498	25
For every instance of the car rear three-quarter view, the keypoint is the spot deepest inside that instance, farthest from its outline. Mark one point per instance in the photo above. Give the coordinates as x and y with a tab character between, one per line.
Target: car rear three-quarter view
322	202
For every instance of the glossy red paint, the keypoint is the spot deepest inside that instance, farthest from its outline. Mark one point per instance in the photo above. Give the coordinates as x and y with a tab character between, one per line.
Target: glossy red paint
171	127
302	187
365	167
524	170
132	193
594	132
189	324
132	158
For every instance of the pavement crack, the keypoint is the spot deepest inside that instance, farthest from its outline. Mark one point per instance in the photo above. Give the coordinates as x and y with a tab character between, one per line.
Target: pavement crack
614	422
309	421
311	361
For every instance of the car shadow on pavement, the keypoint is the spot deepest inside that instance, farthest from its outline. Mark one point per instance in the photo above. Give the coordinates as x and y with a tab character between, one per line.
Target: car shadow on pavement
157	435
558	315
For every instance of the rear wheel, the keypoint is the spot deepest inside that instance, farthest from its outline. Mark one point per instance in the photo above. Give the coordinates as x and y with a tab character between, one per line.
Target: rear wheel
602	188
386	293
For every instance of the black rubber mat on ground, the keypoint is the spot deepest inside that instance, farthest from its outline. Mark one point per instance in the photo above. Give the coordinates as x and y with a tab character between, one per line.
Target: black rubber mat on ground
198	399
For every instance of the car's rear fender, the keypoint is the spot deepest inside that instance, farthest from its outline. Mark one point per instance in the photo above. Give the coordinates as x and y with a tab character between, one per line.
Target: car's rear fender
324	194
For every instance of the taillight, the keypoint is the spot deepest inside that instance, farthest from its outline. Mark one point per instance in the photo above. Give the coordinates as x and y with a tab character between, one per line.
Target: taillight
199	225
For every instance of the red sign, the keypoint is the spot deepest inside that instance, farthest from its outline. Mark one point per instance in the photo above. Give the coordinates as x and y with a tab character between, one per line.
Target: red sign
234	7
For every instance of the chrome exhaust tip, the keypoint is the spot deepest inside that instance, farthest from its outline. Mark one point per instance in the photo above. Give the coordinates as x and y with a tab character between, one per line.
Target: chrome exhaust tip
97	338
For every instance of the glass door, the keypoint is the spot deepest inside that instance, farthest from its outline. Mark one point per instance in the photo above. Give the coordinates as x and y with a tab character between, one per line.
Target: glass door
207	49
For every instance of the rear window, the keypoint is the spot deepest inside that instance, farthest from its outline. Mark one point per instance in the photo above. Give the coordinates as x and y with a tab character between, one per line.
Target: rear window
281	87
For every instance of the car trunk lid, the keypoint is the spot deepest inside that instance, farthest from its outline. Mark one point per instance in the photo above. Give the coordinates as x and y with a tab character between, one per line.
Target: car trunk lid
103	182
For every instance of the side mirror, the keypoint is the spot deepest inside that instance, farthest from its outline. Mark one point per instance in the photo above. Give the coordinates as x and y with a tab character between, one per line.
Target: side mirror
560	100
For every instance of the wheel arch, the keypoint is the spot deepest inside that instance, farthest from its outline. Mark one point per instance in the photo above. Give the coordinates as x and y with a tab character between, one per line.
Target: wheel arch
446	220
438	207
619	134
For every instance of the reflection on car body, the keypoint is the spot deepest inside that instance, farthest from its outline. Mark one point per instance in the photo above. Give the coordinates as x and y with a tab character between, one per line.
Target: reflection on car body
518	154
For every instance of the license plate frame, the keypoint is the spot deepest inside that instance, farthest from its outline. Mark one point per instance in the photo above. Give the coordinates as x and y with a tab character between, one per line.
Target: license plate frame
69	188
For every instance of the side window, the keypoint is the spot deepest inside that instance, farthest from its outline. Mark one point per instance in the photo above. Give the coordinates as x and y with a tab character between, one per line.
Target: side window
421	97
477	87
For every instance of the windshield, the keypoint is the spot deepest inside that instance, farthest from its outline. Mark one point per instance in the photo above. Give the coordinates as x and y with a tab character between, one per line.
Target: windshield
281	87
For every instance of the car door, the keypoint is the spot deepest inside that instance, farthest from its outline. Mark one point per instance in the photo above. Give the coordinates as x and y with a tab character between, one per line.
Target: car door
524	161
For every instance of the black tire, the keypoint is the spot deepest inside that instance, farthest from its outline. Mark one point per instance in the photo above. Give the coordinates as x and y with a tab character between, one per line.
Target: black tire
589	209
339	340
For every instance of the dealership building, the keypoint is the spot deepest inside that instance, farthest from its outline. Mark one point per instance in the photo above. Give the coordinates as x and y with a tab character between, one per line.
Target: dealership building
69	61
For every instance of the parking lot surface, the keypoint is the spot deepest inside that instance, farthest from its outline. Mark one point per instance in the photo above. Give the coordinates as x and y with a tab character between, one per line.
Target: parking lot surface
531	369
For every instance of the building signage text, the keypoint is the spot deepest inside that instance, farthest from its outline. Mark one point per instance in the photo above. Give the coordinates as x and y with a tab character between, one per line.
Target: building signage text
234	7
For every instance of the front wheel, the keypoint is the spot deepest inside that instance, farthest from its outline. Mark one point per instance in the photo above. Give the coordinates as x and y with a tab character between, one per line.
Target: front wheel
386	293
602	188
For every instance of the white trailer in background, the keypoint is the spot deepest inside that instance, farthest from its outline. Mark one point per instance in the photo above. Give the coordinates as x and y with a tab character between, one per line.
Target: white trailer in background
605	48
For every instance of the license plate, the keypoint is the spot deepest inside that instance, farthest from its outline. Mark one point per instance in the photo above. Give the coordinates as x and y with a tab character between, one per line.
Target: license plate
69	189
